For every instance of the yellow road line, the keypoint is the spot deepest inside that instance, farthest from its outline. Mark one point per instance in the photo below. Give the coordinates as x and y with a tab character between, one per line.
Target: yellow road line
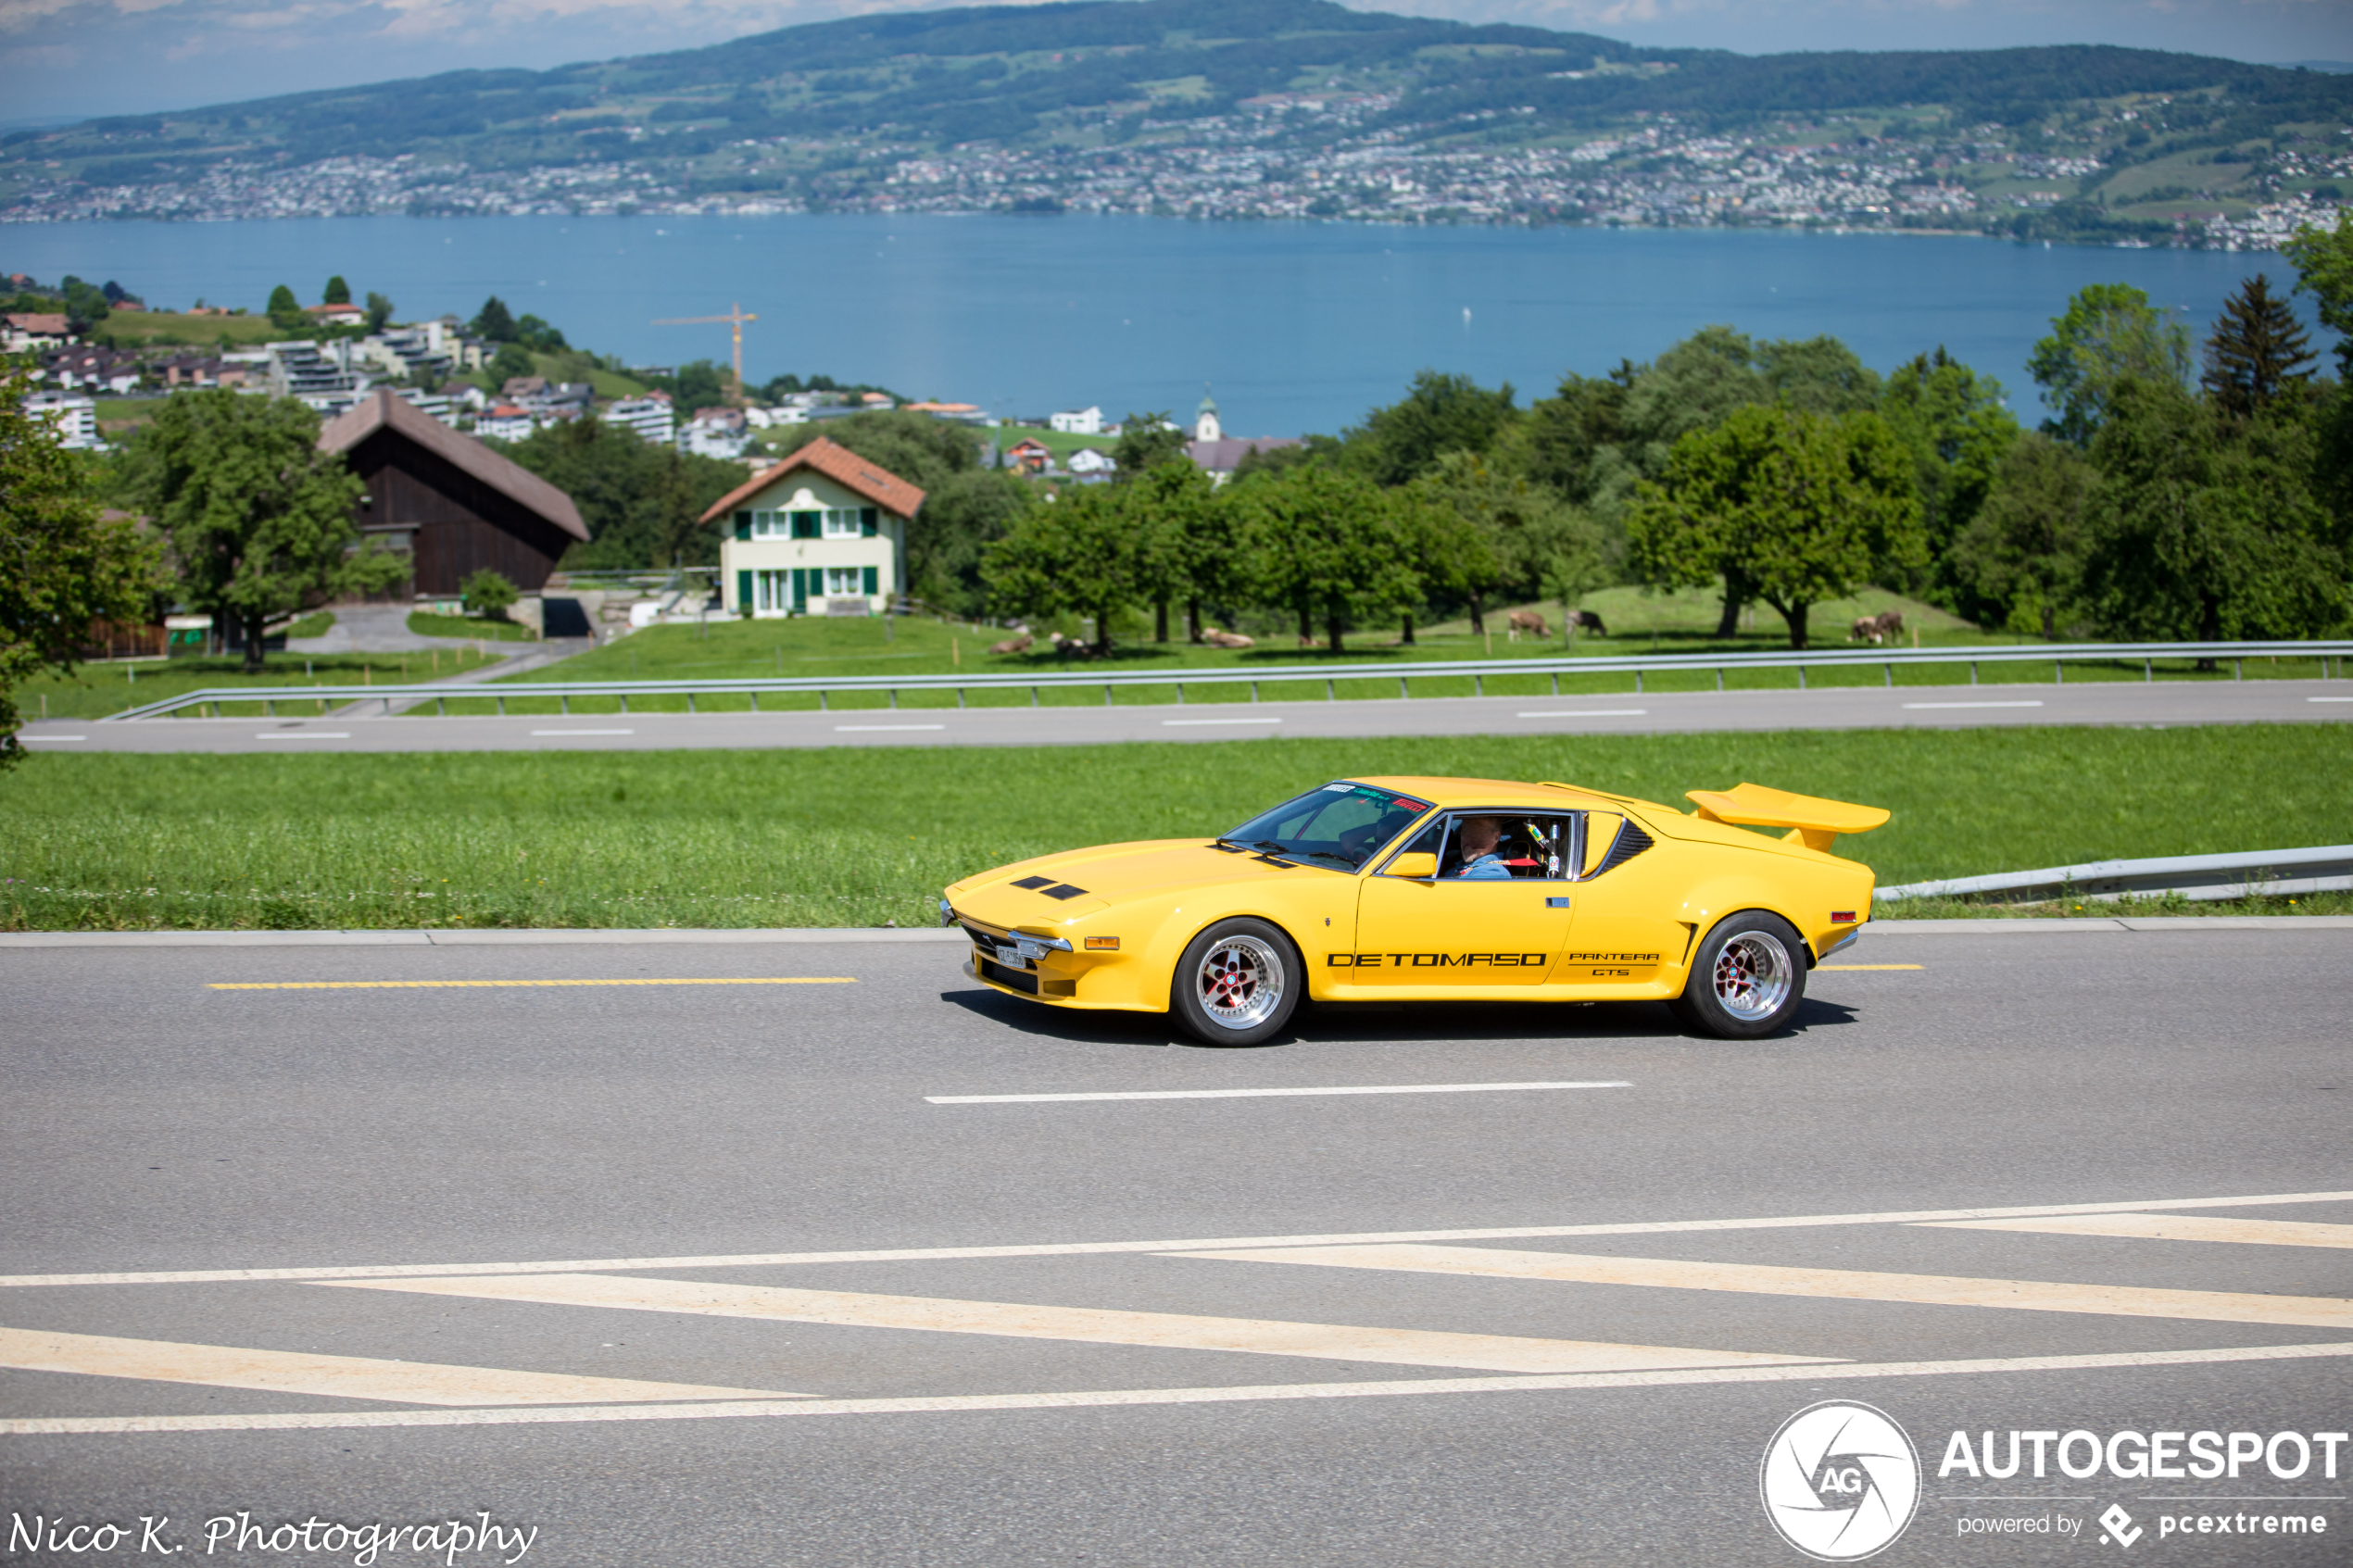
1098	1398
2172	1227
1934	1290
340	1377
462	985
1398	1347
1870	966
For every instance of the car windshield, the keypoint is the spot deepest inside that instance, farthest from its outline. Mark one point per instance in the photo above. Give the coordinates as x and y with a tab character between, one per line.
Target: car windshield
1340	824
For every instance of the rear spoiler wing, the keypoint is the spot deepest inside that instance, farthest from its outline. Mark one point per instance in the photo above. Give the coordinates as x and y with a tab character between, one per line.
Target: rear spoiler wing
1812	821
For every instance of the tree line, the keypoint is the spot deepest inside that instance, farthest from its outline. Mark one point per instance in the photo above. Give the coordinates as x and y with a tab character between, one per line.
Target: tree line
2175	490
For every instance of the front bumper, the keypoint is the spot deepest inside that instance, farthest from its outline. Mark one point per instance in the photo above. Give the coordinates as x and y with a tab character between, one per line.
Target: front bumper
1017	962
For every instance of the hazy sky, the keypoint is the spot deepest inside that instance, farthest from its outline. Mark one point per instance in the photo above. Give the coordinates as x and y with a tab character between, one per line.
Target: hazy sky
68	59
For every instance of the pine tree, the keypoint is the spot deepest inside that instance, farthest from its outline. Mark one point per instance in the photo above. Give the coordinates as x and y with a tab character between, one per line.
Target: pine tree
2257	349
338	291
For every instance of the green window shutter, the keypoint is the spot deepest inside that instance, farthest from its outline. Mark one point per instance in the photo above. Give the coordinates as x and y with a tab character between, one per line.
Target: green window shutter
743	525
743	590
873	580
805	525
870	524
800	588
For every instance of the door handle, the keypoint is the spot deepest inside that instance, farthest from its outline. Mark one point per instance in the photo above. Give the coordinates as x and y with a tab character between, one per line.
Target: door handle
1557	903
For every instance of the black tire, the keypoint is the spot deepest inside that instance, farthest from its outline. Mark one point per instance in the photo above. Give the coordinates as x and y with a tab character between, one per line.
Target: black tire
1747	978
1237	984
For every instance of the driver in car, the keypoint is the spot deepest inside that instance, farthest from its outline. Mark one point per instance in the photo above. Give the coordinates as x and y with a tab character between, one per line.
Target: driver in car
1477	841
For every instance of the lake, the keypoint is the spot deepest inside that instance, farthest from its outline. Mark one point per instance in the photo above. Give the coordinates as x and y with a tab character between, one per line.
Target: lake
1296	327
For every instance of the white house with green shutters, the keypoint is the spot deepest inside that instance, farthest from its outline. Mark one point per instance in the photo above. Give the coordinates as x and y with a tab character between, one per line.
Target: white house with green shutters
822	532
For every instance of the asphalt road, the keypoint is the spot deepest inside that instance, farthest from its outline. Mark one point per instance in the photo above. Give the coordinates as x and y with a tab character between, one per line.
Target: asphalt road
915	1328
1837	707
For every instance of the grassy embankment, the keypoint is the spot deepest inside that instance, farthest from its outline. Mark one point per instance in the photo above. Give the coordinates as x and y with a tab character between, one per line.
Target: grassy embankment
854	837
1639	624
94	691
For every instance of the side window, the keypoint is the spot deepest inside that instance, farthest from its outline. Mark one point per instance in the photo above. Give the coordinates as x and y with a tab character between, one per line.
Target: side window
1501	845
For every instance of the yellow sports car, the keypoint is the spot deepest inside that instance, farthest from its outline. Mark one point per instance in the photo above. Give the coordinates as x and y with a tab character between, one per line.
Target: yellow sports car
1435	890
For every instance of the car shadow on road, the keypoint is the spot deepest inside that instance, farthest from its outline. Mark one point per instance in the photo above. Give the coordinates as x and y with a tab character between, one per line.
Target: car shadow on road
1382	1022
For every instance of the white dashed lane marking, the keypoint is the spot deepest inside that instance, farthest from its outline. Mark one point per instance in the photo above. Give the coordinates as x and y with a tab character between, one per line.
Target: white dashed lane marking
1262	1093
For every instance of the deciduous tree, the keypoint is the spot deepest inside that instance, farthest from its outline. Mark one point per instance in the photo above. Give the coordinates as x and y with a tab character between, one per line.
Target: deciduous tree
1800	506
2323	262
2204	532
1146	441
286	312
1322	547
62	564
1075	553
337	292
2109	334
259	519
1440	413
643	503
1954	423
2019	561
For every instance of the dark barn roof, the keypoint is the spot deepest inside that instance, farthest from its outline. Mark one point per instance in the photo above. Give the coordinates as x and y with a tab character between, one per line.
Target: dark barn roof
383	410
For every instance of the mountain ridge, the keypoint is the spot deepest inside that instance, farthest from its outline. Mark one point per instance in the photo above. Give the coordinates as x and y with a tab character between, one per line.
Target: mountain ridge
832	111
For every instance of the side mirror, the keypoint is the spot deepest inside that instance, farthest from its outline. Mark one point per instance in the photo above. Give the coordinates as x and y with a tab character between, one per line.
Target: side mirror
1419	866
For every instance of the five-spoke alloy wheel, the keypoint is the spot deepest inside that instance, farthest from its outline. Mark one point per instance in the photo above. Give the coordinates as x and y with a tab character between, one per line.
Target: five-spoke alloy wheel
1747	978
1237	984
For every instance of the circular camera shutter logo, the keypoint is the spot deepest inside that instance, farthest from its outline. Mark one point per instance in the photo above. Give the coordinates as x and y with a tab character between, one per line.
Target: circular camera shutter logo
1840	1481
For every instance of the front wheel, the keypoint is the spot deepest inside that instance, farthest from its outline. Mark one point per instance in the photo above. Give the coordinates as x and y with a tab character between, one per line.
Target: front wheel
1746	979
1237	984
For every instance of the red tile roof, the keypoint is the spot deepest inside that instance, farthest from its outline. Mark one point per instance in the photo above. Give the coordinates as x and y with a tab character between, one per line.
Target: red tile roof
837	463
381	409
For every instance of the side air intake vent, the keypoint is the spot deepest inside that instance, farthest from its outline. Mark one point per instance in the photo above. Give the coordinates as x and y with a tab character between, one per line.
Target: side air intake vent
1631	841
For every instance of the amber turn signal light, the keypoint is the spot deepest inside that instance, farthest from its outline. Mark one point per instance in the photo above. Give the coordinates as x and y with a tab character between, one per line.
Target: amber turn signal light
1102	943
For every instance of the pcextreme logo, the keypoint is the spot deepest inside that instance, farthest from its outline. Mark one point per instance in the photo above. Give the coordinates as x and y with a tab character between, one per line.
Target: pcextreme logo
1840	1481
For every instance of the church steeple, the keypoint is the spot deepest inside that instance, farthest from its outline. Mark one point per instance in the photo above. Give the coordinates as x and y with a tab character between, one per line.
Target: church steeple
1205	422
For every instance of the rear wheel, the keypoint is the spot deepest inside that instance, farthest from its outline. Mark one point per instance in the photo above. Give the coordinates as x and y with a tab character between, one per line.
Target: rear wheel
1746	979
1237	984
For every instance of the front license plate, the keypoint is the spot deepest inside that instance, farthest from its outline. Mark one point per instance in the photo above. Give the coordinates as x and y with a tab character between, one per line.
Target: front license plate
1010	958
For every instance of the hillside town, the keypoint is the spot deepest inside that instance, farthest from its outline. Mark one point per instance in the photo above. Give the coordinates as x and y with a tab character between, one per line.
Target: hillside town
444	368
1298	155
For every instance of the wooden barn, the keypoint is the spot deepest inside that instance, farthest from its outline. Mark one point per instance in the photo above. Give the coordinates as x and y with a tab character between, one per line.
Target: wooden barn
451	502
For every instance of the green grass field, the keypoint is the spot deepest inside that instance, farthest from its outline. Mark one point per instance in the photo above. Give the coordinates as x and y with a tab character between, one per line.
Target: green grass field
426	625
856	837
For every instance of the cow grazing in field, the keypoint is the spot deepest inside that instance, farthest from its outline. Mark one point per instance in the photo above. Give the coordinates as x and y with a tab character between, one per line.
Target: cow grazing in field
1877	629
1526	620
1588	620
1012	645
1217	639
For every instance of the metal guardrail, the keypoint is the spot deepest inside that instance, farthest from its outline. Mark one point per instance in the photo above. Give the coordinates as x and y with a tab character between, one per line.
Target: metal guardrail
1476	669
2326	869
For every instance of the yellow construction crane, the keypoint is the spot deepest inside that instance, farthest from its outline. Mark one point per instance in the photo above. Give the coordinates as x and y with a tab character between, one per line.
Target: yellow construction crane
735	318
